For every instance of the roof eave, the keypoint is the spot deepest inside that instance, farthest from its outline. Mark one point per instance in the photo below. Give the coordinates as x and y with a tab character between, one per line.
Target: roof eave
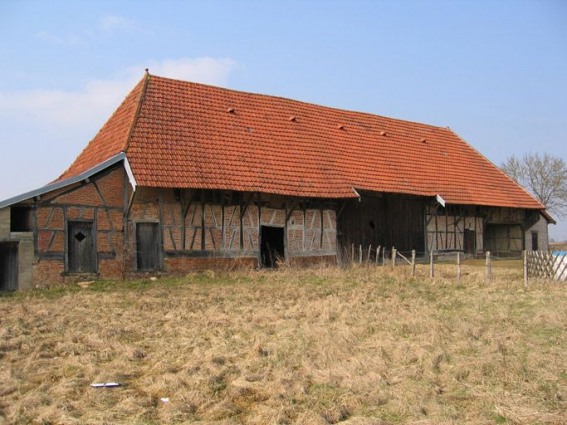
75	179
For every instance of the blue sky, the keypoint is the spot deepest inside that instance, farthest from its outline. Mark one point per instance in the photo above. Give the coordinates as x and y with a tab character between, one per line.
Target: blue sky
495	72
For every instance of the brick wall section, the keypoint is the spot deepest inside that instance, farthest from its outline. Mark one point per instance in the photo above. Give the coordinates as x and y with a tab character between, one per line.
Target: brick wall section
181	266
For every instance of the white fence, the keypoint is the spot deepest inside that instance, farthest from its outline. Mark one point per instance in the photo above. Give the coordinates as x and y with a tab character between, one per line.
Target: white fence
547	265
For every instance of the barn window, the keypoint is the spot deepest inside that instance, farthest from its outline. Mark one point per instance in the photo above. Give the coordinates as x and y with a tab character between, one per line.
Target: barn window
21	219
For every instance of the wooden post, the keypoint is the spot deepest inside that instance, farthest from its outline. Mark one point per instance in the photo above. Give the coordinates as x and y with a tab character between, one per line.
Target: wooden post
377	254
488	268
393	258
459	271
431	270
525	255
352	254
384	257
413	263
369	252
360	254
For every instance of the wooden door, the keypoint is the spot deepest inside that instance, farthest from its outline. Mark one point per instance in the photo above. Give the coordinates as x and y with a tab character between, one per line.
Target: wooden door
147	246
81	255
8	266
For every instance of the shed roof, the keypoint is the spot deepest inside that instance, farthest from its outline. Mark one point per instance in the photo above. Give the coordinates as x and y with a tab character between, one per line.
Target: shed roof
181	134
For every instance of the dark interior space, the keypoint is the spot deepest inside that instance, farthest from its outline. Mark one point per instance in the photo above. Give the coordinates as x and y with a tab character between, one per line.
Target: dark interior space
8	266
272	246
21	219
469	241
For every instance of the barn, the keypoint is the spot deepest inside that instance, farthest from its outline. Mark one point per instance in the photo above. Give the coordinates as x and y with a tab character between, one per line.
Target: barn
186	176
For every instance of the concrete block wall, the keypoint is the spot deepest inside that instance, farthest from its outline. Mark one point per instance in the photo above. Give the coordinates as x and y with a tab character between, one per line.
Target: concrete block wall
5	223
541	227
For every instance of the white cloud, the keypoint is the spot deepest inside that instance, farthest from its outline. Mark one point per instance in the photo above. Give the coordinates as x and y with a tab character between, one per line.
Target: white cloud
45	128
93	104
69	39
114	23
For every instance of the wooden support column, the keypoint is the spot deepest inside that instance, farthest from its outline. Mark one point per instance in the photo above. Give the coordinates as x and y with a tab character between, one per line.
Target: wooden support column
459	271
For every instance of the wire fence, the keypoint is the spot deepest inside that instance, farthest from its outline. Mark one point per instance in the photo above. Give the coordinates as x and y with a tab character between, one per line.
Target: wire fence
536	264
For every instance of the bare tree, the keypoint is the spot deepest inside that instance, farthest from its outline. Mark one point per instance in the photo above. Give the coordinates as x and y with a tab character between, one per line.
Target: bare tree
545	176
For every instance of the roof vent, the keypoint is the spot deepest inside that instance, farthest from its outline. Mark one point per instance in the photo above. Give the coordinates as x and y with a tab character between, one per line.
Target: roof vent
382	133
293	119
231	110
424	140
341	127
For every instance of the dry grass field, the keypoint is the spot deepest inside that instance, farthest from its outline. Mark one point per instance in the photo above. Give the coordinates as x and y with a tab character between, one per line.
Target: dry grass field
363	345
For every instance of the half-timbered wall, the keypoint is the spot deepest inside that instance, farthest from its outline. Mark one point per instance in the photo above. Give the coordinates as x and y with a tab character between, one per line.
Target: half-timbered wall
204	229
98	202
446	228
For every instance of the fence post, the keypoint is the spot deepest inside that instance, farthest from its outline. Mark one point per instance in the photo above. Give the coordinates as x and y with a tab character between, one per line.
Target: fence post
352	255
384	257
488	268
413	263
377	254
525	256
369	252
360	254
431	271
393	258
459	272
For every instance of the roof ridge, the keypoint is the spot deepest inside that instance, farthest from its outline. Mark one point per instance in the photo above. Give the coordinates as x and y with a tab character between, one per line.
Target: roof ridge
495	166
137	114
271	96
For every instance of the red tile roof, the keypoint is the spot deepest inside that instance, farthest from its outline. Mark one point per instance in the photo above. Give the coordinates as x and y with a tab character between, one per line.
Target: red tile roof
186	135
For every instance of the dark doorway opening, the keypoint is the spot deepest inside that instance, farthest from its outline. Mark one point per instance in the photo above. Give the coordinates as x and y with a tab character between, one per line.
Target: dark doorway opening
535	242
8	266
469	241
272	246
147	246
81	249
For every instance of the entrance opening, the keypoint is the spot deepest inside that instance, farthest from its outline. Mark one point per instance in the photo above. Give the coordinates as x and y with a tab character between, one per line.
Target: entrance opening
469	241
147	246
8	266
503	239
272	246
80	245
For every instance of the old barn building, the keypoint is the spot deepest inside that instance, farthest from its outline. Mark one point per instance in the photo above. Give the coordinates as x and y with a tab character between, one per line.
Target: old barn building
185	176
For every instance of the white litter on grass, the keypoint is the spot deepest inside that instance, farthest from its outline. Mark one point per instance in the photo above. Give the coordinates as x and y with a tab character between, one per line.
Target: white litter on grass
165	399
105	384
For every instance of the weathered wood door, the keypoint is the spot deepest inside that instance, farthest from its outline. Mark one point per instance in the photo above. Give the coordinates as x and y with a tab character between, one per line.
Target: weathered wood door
81	255
147	246
8	266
